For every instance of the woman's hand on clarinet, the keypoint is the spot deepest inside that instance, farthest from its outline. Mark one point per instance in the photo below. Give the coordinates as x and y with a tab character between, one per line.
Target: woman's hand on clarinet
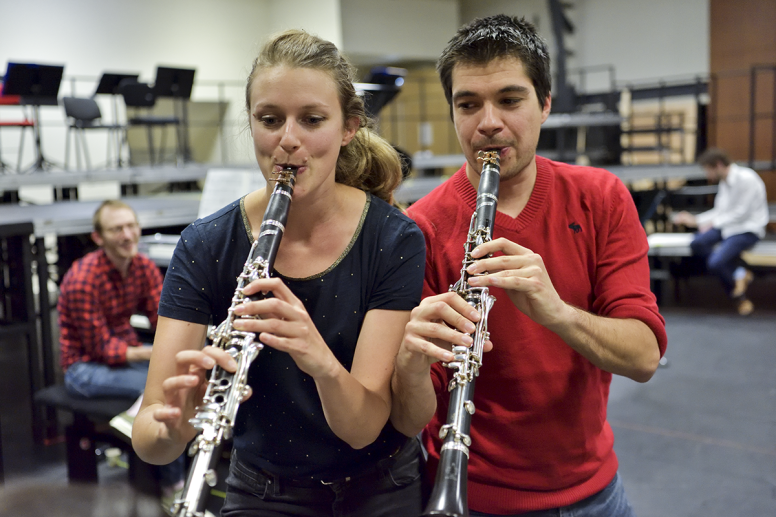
184	391
285	325
435	326
523	275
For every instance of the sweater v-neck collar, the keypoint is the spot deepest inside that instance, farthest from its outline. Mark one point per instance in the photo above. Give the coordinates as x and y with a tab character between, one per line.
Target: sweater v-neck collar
536	203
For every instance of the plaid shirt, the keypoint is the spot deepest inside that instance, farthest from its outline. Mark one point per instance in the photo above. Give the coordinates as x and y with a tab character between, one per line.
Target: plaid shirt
95	304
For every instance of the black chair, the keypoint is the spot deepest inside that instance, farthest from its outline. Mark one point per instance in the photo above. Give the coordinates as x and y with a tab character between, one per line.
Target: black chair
141	97
84	114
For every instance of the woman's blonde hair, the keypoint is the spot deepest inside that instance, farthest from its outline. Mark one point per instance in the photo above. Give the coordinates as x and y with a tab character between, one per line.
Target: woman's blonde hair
368	162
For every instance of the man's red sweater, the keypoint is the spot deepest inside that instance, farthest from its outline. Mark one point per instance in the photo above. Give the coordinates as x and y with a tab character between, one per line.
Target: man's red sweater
539	434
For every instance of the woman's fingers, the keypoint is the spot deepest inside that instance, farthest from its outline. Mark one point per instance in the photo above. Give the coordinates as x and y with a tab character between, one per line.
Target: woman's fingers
275	286
191	361
248	393
269	308
169	415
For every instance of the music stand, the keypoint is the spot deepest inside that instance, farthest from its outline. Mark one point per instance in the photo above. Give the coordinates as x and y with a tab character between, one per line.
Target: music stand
109	82
379	88
177	83
37	85
109	85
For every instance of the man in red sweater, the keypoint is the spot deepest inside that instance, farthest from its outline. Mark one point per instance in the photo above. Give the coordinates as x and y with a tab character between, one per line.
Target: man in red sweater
570	275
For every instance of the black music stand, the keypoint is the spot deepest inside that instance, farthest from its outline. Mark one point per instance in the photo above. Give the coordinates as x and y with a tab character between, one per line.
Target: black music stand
109	85
177	83
379	88
109	82
37	85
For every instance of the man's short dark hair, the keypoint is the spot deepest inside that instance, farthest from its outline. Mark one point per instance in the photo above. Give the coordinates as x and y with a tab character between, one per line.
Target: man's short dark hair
713	156
485	39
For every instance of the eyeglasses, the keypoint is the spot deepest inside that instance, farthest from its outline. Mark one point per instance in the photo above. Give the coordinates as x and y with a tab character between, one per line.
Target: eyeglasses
116	230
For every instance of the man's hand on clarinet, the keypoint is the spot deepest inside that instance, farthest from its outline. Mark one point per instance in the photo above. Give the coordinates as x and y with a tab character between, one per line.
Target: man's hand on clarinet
523	275
438	323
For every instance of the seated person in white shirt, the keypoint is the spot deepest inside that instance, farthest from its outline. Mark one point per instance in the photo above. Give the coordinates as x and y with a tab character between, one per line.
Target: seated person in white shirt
735	224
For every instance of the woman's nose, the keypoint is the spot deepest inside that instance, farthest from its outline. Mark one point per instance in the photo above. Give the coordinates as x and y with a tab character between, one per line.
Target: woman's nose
290	139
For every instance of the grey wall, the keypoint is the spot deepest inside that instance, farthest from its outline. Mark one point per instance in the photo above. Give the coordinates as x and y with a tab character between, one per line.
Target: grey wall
645	40
388	31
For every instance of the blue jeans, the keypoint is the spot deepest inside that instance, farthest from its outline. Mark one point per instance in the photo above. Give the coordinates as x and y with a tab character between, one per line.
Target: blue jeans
89	380
609	502
94	380
391	488
722	256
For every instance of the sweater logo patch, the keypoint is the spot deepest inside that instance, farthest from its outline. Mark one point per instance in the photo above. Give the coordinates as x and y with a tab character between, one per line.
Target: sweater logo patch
574	226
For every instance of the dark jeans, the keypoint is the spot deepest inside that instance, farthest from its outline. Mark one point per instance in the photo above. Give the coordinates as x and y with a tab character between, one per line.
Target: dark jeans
722	256
391	488
609	502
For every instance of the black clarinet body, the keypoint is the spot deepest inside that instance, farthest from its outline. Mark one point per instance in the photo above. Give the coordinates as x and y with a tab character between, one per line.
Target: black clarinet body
449	497
216	414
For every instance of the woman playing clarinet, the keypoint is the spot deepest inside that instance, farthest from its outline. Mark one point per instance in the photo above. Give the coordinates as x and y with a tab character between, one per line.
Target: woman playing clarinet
312	436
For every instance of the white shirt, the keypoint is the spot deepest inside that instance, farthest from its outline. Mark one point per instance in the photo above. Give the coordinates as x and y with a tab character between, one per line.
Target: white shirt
740	206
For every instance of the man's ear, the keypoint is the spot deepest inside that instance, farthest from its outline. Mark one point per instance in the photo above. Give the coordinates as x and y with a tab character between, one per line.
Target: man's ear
547	107
97	238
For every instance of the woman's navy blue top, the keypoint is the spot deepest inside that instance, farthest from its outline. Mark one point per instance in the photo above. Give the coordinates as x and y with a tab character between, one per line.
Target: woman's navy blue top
281	428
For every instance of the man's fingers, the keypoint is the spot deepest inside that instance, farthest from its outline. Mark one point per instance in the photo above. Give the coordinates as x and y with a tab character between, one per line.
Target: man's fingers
419	345
447	307
440	332
501	244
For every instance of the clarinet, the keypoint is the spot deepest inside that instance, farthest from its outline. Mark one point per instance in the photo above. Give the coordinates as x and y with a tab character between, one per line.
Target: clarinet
216	414
448	497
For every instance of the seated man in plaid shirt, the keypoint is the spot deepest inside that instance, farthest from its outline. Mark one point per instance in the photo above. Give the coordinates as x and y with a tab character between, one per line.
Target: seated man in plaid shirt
100	351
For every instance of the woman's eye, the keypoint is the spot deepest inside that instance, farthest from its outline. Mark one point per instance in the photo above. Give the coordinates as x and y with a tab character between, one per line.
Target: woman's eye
269	120
314	121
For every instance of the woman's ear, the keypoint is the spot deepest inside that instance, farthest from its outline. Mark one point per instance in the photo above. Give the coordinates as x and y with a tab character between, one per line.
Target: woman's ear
351	128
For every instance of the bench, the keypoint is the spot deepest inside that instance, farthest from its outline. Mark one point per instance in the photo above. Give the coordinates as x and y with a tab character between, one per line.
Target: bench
90	425
677	245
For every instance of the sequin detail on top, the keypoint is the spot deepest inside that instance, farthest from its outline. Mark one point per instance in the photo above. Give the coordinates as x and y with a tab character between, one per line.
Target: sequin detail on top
344	253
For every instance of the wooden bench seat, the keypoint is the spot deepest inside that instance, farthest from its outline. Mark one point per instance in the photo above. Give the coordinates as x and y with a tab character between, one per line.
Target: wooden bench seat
90	425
